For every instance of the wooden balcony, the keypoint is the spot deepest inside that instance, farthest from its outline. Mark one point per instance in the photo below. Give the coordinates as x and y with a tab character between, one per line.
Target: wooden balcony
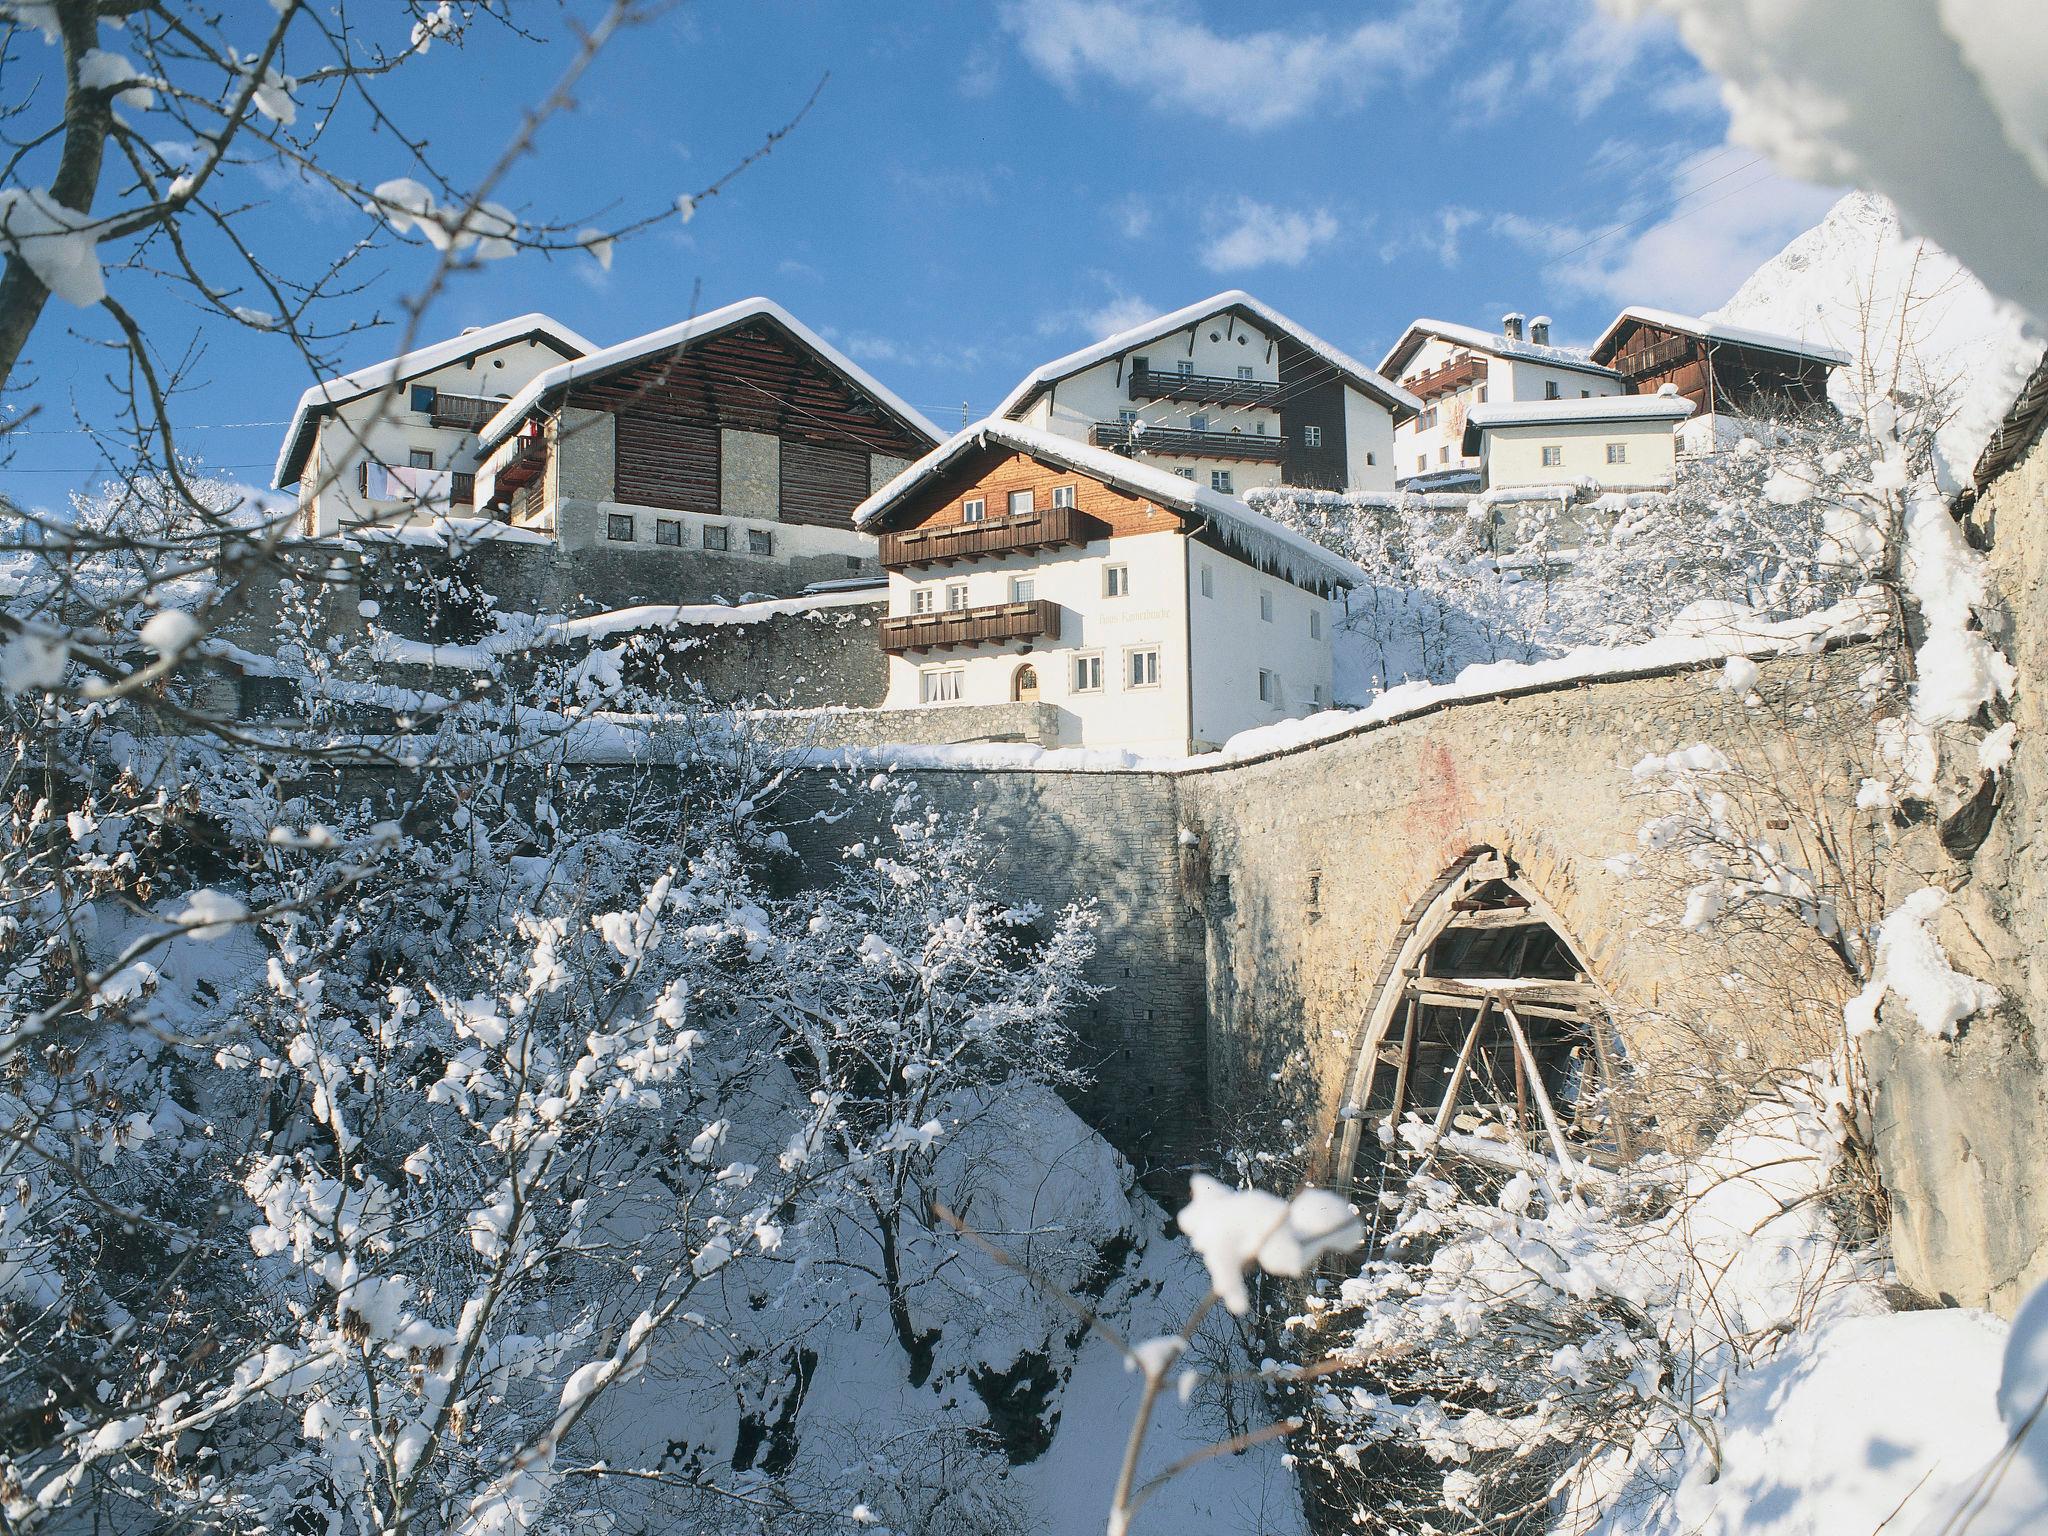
1654	358
1038	619
1203	388
1446	377
1179	442
465	411
1045	528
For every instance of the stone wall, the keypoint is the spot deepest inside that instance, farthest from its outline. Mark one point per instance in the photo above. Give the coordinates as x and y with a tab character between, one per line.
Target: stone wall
1963	1124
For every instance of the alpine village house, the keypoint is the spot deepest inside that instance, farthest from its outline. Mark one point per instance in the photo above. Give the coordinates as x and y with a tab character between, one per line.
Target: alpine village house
1145	610
1228	393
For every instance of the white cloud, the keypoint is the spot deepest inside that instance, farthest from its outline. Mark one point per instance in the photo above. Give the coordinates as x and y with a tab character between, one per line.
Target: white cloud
1437	236
1251	80
1261	235
1118	310
1725	214
1133	216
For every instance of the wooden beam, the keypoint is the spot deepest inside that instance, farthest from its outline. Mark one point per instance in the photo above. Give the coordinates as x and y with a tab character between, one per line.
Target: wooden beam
1443	1110
1543	1106
1496	917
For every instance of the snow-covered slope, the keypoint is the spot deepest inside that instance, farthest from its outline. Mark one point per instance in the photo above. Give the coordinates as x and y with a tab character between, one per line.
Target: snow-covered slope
1857	281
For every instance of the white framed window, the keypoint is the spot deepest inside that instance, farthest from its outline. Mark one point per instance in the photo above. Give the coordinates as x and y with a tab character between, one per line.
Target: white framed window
1185	474
1141	667
1311	437
1184	366
1023	588
1198	423
973	509
1088	673
1553	455
1269	686
956	596
1617	453
1266	606
941	685
420	458
1315	624
1219	480
1127	418
1550	389
1063	495
1116	581
1244	371
922	599
1020	504
1208	581
1426	420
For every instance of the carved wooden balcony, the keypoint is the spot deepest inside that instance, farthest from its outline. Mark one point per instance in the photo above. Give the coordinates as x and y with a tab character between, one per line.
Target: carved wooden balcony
1203	388
1179	442
1446	377
465	411
1044	528
1038	619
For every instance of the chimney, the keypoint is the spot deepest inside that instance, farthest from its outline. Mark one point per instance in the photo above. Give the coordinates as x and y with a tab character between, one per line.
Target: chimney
1539	330
1511	325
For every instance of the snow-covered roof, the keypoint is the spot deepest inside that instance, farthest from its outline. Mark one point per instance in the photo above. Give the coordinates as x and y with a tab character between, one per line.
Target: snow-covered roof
1491	342
298	437
1385	390
1715	330
1253	536
682	335
1530	413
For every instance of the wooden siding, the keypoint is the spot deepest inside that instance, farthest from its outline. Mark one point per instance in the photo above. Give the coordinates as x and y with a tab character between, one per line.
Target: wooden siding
666	462
1716	375
1312	395
996	472
822	486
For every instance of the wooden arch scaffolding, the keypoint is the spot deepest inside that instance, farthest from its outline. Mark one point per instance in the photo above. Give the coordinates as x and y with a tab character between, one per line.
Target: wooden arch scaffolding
1489	1030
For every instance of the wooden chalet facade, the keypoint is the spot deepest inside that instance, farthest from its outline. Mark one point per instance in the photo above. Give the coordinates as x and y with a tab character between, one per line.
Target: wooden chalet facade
740	441
1718	368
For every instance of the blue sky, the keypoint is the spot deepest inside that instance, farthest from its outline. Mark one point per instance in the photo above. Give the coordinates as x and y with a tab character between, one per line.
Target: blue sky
982	186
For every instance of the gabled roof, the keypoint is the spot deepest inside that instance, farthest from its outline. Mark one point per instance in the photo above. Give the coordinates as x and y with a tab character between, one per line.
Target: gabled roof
1493	343
1236	300
1543	413
329	393
1251	535
1714	330
2022	423
626	353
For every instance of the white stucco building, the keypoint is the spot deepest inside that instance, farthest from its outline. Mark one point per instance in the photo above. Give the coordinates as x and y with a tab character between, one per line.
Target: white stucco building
397	441
1228	393
1617	442
1153	614
1451	369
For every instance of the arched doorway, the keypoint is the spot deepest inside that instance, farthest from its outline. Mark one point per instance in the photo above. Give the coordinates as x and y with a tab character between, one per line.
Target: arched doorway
1024	684
1489	1037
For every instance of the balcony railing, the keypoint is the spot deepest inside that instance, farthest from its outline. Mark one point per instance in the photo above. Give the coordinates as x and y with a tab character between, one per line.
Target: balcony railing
465	411
1657	355
992	625
1445	377
1131	438
1204	388
1041	529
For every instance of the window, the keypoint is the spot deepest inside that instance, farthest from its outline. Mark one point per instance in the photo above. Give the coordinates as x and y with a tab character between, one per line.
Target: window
1482	394
1127	418
1443	454
1063	495
1369	459
1321	695
668	531
941	685
1617	453
1311	437
1244	370
1426	420
1553	455
1269	687
1087	674
1421	462
1550	389
1260	424
973	510
1023	588
760	542
956	596
922	599
1198	423
1585	394
420	458
1208	581
1185	366
1315	624
717	536
619	526
1020	503
1219	480
1185	474
423	398
1266	606
1141	668
1116	581
1141	364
